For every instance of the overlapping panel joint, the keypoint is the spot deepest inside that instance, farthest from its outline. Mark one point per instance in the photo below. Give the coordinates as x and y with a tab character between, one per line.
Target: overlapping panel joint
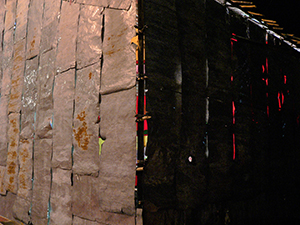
67	79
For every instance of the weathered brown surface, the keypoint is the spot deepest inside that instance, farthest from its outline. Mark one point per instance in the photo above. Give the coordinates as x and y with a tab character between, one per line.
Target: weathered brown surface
29	99
21	208
3	129
10	15
50	23
2	175
6	205
17	77
25	168
51	56
89	43
67	33
44	110
86	128
21	20
79	221
117	74
116	176
85	197
61	213
7	56
63	97
11	181
34	26
87	203
42	180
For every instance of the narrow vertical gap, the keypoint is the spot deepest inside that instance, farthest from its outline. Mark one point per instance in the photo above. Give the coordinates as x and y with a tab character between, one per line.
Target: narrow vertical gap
207	110
232	40
102	39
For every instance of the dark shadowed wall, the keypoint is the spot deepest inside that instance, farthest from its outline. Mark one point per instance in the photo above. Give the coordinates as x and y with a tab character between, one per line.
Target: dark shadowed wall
222	92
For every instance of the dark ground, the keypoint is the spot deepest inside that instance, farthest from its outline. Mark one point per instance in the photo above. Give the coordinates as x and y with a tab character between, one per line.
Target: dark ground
261	185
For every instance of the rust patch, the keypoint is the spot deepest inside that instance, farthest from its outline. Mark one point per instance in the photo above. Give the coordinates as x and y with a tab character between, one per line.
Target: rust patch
13	155
108	38
112	52
11	168
112	46
22	182
90	75
81	116
24	141
11	180
15	81
81	135
13	143
32	43
24	155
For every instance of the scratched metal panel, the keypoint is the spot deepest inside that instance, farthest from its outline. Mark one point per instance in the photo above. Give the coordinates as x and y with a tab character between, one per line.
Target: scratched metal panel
103	3
21	24
34	28
86	129
42	180
118	54
7	59
3	129
10	15
29	99
79	221
87	202
2	186
67	36
89	43
22	204
2	13
117	125
21	208
123	4
50	23
85	197
25	168
11	179
115	218
45	81
61	197
63	97
17	77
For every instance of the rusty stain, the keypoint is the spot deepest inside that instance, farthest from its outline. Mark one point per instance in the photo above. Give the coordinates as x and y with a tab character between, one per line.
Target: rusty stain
10	188
90	75
25	141
112	52
81	116
11	168
32	43
15	81
22	182
13	155
13	143
81	135
24	155
11	180
108	38
112	46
